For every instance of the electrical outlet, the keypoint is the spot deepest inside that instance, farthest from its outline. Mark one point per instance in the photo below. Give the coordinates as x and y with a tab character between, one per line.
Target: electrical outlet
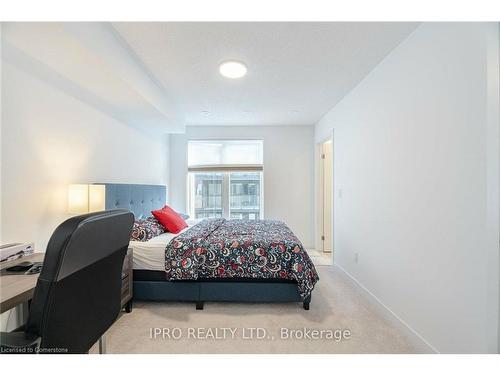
356	257
340	193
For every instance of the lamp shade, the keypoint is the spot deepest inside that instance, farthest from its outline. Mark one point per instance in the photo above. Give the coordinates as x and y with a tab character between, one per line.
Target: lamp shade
78	198
97	198
84	198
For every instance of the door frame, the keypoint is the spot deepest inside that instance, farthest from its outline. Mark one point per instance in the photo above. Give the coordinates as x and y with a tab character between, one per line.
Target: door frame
320	196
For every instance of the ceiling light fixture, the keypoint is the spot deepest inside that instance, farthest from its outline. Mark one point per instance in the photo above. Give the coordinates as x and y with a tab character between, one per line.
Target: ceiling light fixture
232	69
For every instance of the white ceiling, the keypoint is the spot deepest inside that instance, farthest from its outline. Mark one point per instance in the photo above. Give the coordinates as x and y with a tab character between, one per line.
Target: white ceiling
159	77
296	71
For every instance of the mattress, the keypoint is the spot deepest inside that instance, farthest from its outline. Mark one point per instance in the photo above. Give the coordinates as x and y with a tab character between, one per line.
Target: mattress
150	255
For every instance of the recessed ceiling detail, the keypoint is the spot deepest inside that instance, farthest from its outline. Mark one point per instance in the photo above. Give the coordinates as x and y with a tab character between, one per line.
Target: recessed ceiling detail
90	62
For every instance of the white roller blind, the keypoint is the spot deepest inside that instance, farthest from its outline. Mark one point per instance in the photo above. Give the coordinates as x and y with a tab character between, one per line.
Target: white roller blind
223	155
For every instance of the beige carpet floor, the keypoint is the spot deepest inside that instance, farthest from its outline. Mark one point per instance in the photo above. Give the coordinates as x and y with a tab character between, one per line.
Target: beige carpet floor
337	304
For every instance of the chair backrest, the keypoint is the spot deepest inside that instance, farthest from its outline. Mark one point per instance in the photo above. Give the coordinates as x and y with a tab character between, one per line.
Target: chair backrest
77	296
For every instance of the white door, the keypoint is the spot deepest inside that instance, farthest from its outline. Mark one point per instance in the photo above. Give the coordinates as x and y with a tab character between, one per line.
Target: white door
327	162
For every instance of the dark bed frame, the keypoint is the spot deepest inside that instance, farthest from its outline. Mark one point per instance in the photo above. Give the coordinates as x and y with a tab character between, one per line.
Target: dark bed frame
151	285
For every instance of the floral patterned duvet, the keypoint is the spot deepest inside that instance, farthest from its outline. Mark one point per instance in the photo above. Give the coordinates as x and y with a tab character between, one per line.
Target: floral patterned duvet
220	248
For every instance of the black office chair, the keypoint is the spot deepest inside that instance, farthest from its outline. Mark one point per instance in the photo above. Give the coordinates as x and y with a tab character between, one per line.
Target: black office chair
77	296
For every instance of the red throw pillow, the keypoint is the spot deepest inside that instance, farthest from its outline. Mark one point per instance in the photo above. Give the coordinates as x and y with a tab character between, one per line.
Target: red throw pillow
170	219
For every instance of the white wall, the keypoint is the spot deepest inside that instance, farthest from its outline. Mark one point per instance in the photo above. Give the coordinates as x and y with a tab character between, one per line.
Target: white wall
493	169
0	134
288	171
50	140
411	159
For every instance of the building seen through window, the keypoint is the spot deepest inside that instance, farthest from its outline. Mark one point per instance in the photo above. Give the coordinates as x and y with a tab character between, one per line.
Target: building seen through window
241	190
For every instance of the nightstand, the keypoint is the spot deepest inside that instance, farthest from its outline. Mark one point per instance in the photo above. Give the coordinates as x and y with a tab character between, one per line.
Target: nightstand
127	281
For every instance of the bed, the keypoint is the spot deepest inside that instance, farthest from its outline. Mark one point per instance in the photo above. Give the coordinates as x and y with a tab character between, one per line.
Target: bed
215	260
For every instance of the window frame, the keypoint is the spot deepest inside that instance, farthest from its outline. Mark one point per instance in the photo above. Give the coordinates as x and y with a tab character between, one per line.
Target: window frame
225	169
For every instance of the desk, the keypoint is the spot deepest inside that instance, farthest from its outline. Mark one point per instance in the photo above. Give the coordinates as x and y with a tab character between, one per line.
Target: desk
17	288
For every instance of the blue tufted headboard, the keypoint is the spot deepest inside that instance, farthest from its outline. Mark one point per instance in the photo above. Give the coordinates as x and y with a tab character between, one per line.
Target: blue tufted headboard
140	199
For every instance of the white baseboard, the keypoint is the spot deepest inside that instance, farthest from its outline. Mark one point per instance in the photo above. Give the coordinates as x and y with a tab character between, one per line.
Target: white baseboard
420	343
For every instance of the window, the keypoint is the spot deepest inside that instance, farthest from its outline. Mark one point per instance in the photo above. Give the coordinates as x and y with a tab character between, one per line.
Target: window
225	153
207	190
244	195
225	179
